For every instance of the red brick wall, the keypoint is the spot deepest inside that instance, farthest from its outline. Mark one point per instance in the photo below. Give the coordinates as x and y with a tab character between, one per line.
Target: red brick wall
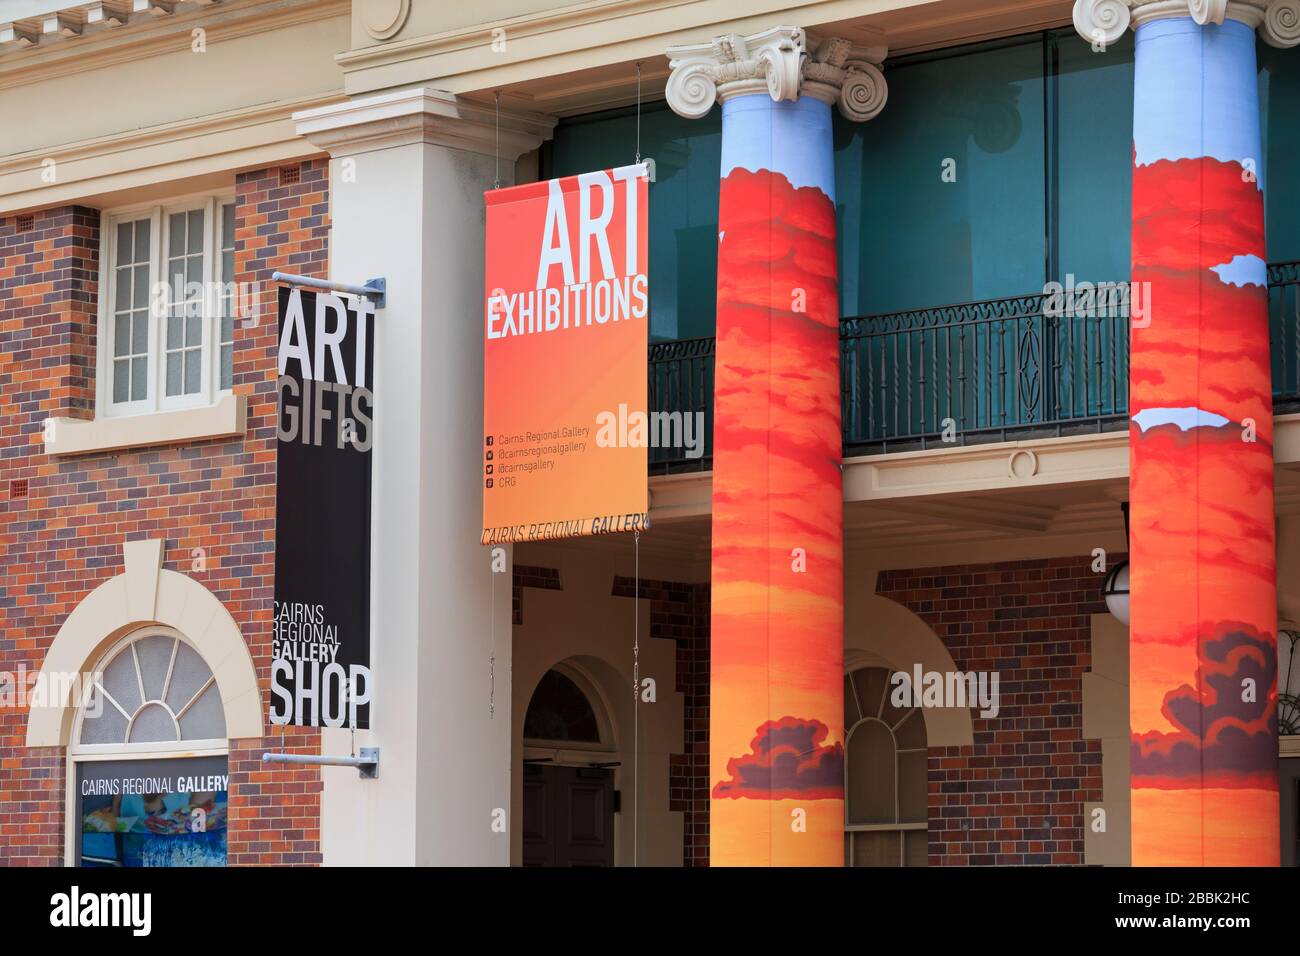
66	536
680	612
1017	795
48	286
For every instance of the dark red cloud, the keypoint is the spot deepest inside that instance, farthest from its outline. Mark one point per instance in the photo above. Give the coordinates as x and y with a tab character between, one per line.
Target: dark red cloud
787	760
1221	738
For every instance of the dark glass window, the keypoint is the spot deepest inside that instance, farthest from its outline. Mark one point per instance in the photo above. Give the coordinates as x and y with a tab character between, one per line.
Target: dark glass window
560	710
941	196
1035	133
683	202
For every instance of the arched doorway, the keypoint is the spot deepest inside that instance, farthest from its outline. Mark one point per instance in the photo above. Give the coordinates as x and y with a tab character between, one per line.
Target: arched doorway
569	761
884	774
147	761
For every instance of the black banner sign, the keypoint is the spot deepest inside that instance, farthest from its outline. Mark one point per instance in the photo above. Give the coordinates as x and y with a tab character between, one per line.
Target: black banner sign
320	672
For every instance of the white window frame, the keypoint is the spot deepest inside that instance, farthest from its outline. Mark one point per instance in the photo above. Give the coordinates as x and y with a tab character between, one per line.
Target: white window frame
159	215
78	752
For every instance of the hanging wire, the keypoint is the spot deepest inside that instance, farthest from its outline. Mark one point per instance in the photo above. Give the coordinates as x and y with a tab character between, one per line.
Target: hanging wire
497	146
638	113
636	694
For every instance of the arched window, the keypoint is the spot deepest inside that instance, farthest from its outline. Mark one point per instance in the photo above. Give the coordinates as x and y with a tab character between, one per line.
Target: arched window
560	711
148	760
885	774
154	689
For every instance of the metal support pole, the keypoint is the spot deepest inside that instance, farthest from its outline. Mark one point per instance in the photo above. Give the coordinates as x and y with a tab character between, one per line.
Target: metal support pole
374	289
367	763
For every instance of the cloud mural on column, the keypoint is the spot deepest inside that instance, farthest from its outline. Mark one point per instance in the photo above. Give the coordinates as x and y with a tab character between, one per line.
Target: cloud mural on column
1203	606
777	630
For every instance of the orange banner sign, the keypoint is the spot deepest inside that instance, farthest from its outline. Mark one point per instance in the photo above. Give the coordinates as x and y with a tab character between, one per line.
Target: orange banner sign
566	427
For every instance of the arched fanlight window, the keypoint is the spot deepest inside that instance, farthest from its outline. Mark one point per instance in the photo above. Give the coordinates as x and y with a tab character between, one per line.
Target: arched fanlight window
153	689
885	774
560	711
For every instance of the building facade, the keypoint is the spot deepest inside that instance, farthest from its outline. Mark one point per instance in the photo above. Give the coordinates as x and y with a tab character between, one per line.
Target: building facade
969	301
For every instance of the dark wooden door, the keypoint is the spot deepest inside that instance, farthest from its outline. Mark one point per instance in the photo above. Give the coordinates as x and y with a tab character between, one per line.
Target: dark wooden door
568	816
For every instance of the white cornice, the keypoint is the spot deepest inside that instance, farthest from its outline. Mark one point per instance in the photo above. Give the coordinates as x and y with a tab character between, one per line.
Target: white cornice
236	139
422	115
777	61
1104	21
27	55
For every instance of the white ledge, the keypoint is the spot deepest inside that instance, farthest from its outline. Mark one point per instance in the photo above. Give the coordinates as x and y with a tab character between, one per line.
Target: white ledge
75	436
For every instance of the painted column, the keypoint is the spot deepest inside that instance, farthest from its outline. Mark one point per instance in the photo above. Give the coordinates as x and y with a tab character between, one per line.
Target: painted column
777	674
407	175
1203	619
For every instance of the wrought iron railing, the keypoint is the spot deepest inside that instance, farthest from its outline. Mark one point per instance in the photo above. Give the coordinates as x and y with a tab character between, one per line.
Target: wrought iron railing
982	371
1284	333
681	383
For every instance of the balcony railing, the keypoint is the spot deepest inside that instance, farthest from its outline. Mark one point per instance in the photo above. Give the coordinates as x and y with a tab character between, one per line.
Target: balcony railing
985	371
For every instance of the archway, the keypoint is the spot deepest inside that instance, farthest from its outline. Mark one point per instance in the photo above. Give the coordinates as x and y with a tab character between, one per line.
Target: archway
570	757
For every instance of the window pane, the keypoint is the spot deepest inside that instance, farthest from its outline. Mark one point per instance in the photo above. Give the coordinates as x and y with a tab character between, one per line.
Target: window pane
120	682
876	849
896	689
121	381
188	676
911	732
139	333
227	365
227	328
121	335
155	654
122	290
193	329
140	298
871	684
196	231
108	728
1095	92
173	373
194	269
228	225
978	237
142	229
176	234
912	787
870	787
153	723
139	379
193	370
175	327
1279	104
559	710
125	243
205	720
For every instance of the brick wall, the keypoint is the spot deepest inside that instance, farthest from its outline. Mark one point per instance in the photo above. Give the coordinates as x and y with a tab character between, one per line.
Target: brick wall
680	612
65	537
48	287
1017	795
